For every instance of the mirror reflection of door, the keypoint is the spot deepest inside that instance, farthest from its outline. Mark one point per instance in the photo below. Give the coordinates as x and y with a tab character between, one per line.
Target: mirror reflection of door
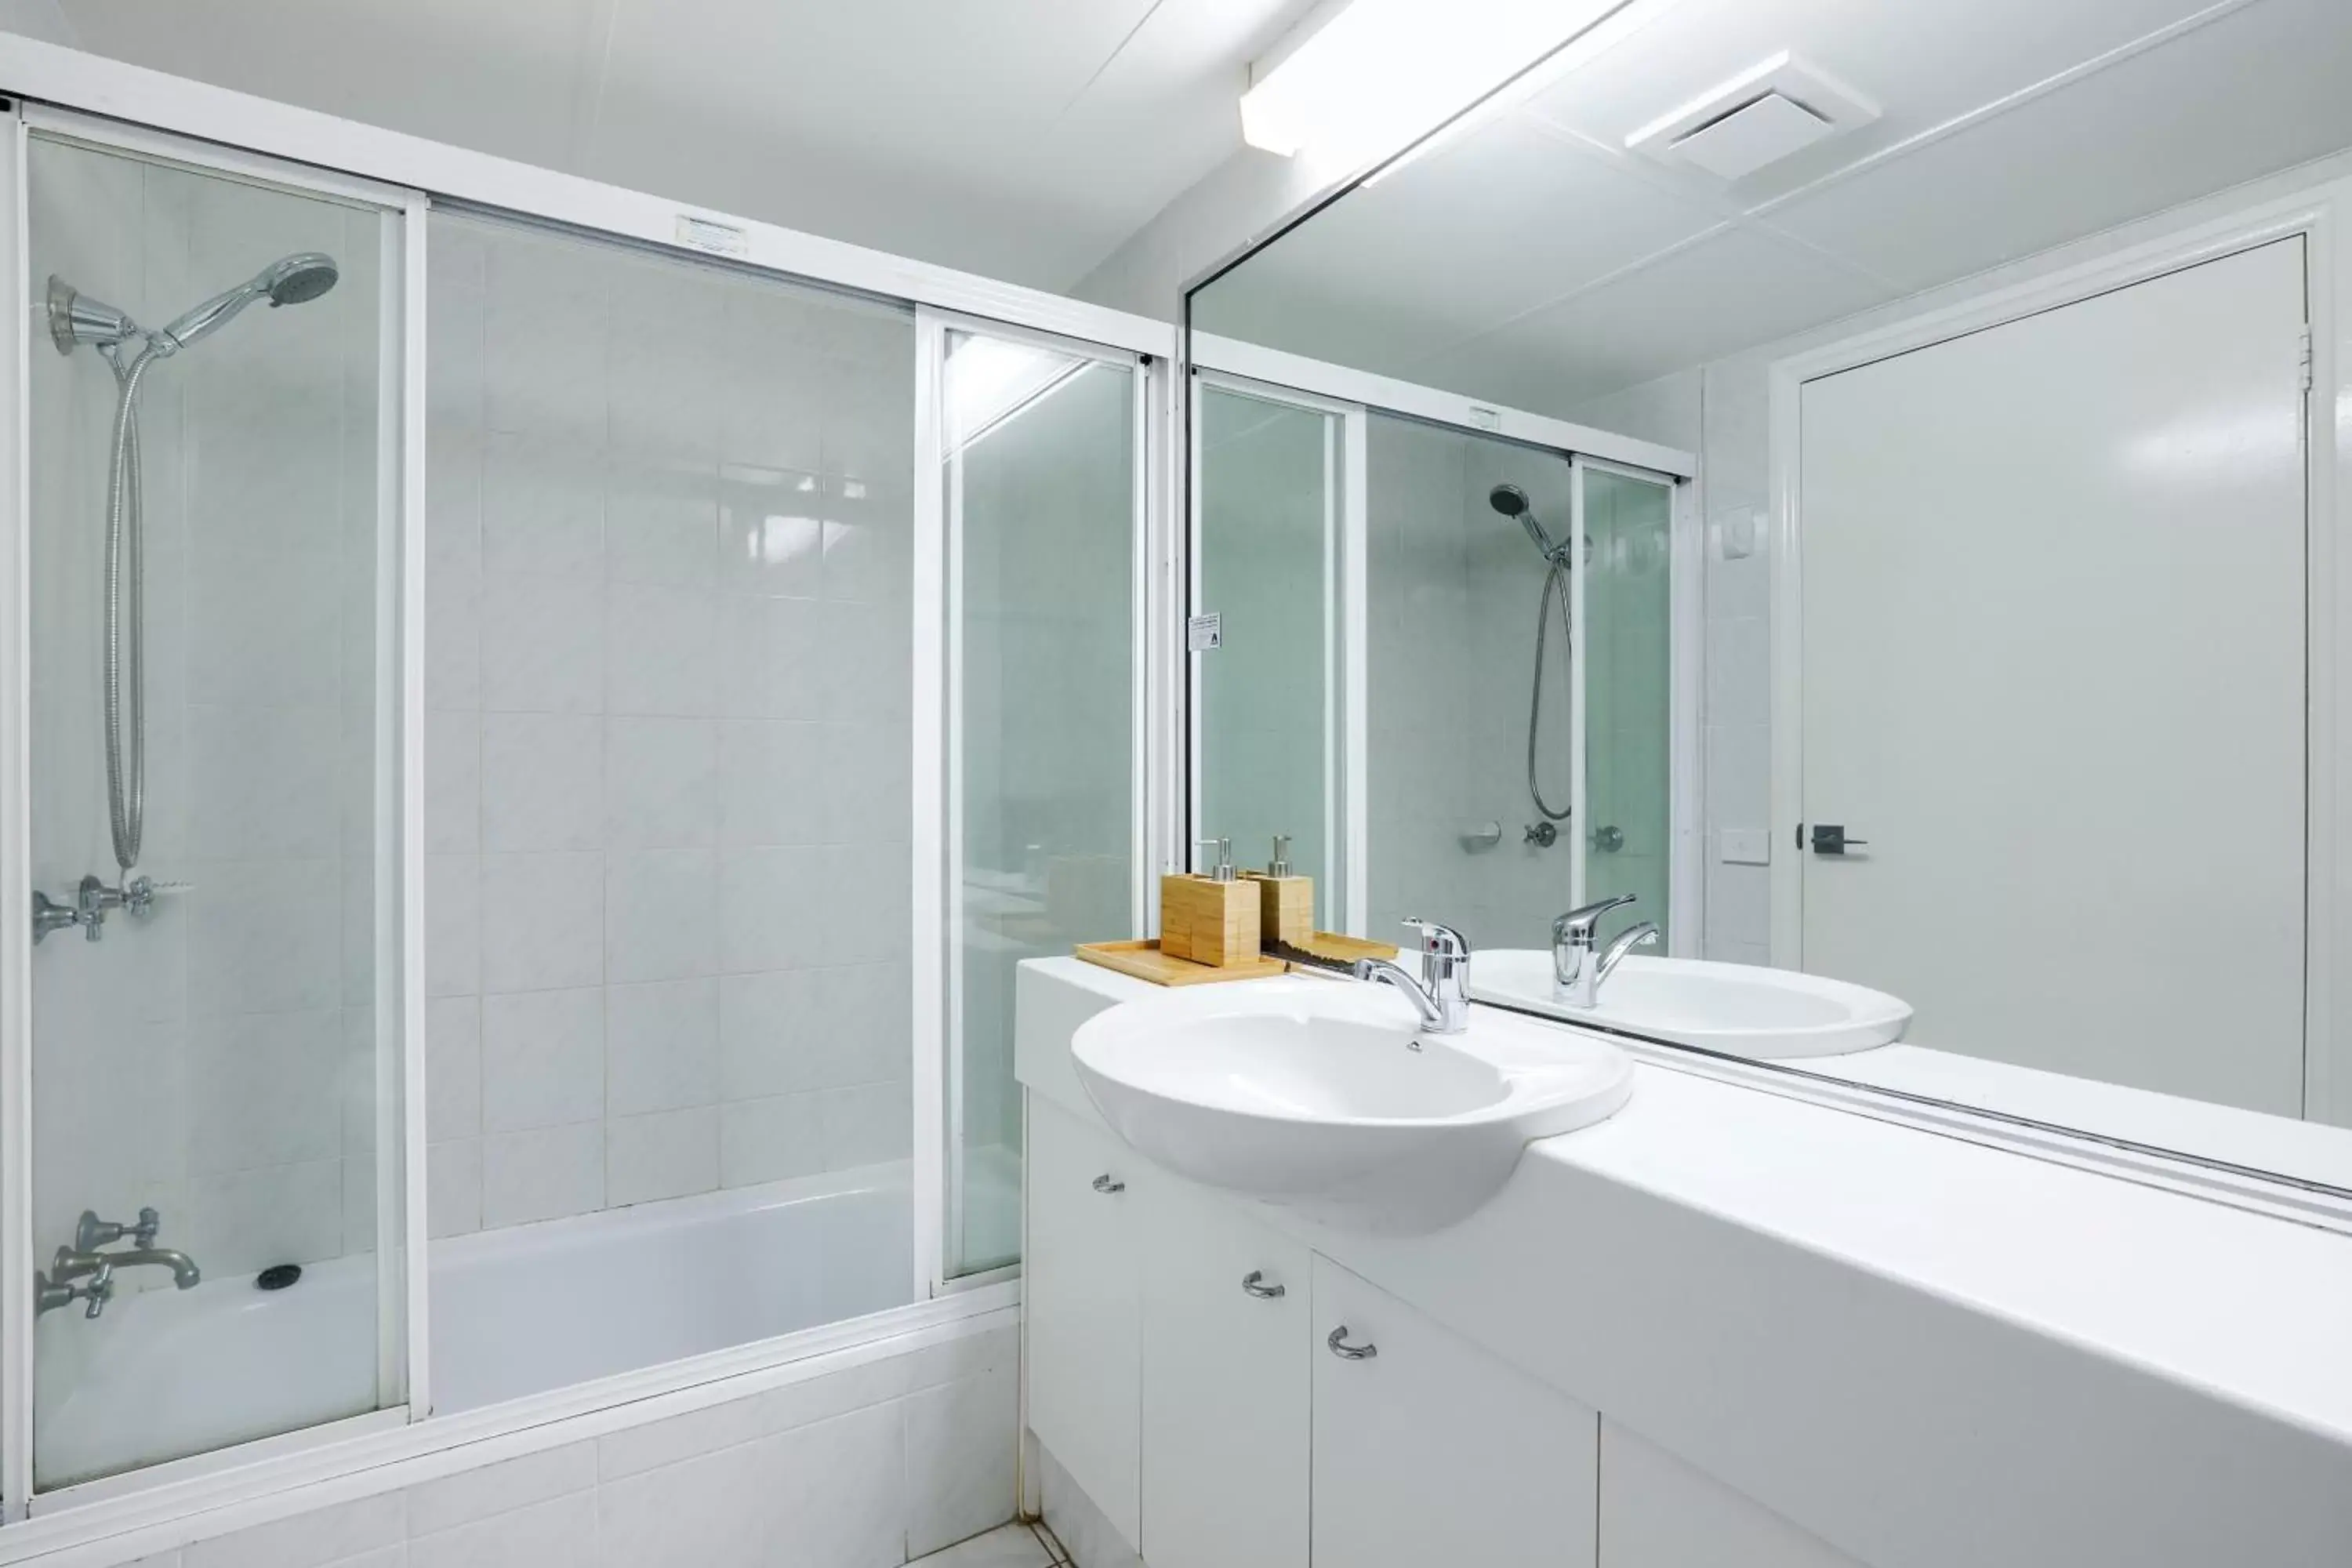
2054	677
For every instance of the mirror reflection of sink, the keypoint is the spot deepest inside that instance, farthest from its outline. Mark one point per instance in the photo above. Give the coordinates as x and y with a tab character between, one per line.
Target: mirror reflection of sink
1740	1009
1325	1097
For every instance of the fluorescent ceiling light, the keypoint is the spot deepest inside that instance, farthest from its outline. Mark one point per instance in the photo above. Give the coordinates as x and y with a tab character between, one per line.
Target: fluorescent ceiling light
1361	80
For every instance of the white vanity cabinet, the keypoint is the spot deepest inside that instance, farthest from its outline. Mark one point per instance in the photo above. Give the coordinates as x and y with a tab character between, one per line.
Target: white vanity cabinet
1659	1512
1228	1323
1084	1307
1427	1450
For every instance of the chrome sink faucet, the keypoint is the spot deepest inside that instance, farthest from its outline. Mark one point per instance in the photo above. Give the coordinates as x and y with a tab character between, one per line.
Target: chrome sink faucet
1442	995
1578	963
83	1260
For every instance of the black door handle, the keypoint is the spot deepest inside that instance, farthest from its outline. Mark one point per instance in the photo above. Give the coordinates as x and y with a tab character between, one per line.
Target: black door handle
1830	839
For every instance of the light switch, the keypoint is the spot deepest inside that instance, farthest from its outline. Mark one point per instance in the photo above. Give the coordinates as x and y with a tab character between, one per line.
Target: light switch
1746	846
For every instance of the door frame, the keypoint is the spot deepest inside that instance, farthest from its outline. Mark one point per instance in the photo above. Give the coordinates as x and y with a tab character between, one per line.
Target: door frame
2308	216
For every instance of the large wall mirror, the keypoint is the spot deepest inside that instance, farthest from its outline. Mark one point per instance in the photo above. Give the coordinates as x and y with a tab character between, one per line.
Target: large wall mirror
1862	482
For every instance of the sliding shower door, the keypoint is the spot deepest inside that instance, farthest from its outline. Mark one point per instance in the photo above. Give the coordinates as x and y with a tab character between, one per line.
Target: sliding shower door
1041	461
214	741
1270	510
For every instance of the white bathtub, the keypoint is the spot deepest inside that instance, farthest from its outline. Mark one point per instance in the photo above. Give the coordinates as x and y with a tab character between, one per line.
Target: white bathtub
166	1373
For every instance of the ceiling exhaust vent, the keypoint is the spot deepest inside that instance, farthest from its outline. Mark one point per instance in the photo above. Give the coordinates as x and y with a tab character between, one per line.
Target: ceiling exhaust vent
1758	118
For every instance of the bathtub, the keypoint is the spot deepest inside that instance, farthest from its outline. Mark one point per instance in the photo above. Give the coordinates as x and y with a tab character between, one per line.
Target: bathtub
166	1373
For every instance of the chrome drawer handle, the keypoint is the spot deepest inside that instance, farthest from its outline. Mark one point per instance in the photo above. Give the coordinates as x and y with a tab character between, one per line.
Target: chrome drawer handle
1254	1283
1104	1183
1346	1351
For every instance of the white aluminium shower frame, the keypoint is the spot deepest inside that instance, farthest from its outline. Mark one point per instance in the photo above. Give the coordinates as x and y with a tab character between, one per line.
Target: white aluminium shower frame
144	110
1351	395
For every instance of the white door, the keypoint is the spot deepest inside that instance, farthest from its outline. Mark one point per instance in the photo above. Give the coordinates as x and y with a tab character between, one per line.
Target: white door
2053	675
1428	1450
1227	1330
1085	1320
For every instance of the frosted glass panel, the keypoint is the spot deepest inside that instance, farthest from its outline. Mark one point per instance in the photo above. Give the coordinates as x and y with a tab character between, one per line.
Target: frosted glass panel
1267	519
668	801
1041	499
215	999
1627	651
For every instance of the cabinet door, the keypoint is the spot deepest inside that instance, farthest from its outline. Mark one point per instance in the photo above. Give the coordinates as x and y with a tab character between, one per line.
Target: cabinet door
1428	1450
1227	1327
1658	1513
1084	1317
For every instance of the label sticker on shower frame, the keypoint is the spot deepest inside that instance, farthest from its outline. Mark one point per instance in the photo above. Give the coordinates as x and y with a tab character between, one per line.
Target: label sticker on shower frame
708	233
1203	634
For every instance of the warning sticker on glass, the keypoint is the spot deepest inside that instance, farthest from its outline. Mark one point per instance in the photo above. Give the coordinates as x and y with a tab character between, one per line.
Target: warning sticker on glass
1203	633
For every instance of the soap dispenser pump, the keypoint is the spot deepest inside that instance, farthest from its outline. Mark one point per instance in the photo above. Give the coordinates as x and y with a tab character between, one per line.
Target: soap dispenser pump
1211	916
1286	900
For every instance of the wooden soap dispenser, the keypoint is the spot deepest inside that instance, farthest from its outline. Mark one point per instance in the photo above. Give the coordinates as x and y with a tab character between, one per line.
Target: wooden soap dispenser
1210	917
1286	900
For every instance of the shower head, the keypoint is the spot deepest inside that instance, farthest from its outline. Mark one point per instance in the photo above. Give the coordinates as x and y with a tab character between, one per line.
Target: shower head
76	318
290	281
1512	501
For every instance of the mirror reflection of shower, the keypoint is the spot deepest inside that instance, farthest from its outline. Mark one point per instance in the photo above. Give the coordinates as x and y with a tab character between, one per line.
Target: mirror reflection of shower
131	351
1511	501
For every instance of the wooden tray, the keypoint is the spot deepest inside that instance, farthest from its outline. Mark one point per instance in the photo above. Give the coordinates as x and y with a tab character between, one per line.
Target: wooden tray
1347	949
1144	961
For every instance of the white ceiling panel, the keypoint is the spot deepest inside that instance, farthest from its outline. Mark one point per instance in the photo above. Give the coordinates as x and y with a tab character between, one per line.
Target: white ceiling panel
1452	245
1021	138
1922	63
503	78
1729	291
2257	91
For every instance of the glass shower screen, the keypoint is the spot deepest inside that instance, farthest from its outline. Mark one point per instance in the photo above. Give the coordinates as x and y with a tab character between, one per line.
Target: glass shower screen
215	385
1042	454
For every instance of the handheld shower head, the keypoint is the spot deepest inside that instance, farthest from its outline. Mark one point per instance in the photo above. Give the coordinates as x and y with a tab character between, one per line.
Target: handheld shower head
1512	501
290	281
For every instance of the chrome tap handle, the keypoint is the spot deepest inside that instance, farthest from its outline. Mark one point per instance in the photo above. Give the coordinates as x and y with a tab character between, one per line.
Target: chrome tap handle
1438	941
91	1233
100	1290
1577	926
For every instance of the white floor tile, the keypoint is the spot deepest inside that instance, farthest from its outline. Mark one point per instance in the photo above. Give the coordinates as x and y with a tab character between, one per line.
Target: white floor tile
1008	1546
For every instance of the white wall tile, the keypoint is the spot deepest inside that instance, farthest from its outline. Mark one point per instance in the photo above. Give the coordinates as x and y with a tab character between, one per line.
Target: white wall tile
453	640
453	924
453	783
772	781
661	523
262	782
543	644
962	1475
453	1187
263	627
453	1068
542	1058
308	1539
661	783
662	650
778	908
561	1534
662	914
542	782
468	1495
667	1154
769	1140
772	530
661	1045
257	1084
542	920
542	508
772	1027
264	936
769	655
865	1125
831	1495
869	539
241	1221
542	1174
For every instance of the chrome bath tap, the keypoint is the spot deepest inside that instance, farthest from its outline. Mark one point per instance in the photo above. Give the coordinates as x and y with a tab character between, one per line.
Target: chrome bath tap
1442	995
1578	964
83	1260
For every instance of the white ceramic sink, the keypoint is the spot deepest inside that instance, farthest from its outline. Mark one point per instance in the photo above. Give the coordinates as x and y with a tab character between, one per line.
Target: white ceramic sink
1325	1096
1740	1009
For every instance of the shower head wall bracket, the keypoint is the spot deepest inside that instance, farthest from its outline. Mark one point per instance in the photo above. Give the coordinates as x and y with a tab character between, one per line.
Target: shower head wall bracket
75	318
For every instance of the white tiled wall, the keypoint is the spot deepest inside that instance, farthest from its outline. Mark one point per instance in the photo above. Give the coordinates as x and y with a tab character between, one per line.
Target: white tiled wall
669	670
865	1468
217	1060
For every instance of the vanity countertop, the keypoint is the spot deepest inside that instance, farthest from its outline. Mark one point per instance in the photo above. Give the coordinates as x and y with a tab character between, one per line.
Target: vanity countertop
1926	1310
